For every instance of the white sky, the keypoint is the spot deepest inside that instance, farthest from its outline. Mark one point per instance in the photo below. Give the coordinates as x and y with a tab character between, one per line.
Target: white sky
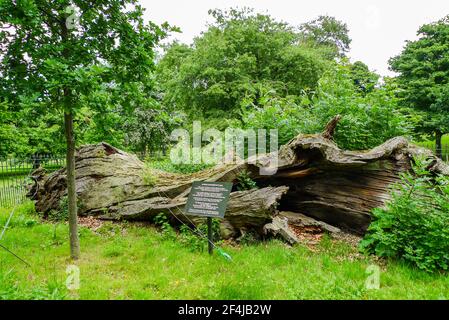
378	29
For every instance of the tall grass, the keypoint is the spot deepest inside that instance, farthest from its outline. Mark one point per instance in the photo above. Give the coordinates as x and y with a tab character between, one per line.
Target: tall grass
130	261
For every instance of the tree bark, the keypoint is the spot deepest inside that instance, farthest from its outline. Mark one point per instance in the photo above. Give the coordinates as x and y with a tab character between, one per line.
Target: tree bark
70	154
315	178
71	188
438	147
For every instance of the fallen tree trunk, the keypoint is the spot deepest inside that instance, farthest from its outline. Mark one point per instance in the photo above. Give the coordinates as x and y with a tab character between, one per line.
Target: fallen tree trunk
313	179
246	209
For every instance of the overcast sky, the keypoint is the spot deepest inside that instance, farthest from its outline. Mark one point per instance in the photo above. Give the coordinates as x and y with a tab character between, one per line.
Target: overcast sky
378	29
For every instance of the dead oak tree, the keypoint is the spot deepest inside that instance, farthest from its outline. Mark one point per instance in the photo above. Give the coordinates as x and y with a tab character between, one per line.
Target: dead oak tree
315	184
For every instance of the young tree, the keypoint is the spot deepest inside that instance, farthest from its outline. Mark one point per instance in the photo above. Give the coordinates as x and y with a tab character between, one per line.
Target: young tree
61	55
423	68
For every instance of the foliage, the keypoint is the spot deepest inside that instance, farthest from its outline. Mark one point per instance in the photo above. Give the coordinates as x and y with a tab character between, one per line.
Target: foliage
165	164
245	182
328	32
238	54
282	114
84	59
75	57
249	238
363	78
414	225
25	132
161	220
62	214
423	68
150	128
196	238
368	119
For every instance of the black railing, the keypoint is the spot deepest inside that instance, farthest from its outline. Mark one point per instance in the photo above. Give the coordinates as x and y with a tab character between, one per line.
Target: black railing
15	175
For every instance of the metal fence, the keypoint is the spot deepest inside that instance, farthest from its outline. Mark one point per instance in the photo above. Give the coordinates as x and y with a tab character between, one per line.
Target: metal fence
15	175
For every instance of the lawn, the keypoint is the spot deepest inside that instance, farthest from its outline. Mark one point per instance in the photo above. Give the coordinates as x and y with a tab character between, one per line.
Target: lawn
133	261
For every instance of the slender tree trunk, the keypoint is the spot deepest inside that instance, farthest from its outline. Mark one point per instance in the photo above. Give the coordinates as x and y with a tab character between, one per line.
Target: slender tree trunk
70	156
71	191
438	151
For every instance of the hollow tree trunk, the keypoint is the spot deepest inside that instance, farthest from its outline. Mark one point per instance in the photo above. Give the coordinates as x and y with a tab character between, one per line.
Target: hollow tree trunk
314	178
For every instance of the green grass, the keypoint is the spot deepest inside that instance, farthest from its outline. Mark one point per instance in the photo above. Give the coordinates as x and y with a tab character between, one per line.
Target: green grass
128	261
12	189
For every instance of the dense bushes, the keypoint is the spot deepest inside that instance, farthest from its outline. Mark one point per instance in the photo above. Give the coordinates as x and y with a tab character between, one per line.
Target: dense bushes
414	225
282	114
165	164
369	119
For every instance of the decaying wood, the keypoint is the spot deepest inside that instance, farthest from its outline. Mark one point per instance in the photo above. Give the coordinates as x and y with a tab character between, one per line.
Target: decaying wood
303	221
345	185
322	185
250	209
279	227
328	132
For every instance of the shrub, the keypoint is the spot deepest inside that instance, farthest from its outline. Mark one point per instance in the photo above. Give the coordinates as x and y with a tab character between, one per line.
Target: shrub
167	230
368	119
414	225
245	182
148	177
196	239
62	214
283	114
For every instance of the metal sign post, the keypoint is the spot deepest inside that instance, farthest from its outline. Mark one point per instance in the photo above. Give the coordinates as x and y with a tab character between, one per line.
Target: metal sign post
209	235
208	199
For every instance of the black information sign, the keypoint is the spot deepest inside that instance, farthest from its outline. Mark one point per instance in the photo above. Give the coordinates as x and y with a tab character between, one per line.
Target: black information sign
208	199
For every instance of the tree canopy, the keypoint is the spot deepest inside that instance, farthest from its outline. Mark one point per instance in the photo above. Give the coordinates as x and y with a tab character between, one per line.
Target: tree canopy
328	32
72	56
240	53
62	56
423	68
